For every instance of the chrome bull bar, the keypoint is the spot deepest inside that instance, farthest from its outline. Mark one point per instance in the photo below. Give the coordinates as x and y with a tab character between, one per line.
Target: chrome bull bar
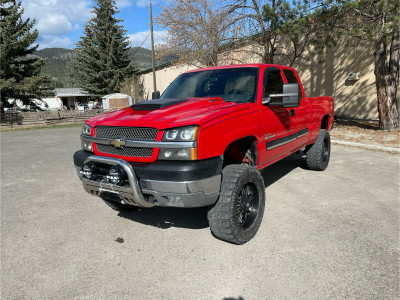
130	195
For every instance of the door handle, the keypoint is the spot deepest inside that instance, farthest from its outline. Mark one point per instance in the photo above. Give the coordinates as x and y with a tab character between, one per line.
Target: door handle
292	112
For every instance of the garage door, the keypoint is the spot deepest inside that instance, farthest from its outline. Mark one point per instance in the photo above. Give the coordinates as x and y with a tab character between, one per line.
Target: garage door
117	103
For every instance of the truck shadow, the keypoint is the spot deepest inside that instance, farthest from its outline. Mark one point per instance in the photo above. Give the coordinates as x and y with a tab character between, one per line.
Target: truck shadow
276	171
166	217
196	218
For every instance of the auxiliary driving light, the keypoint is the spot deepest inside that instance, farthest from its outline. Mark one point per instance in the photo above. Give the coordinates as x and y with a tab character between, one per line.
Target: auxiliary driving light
116	175
88	170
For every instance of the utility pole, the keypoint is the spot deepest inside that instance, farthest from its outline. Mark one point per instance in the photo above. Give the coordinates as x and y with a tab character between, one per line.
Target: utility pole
152	51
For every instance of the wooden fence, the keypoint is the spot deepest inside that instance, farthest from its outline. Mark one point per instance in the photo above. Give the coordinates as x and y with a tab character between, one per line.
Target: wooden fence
22	119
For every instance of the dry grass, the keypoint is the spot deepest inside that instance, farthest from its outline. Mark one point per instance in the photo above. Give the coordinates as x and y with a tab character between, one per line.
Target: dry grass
33	127
364	132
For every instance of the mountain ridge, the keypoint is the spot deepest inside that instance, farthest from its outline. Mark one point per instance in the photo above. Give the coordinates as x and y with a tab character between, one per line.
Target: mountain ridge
57	60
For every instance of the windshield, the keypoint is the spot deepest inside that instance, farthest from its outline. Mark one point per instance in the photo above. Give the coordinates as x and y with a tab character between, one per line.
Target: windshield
234	84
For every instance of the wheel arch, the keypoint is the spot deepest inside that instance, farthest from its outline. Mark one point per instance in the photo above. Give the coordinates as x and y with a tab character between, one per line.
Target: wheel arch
238	151
325	122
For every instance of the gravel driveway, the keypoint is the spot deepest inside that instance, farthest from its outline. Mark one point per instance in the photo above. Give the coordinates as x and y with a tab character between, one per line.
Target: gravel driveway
325	235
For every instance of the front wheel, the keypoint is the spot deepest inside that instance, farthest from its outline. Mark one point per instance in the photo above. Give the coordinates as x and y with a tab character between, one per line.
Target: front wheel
318	156
238	213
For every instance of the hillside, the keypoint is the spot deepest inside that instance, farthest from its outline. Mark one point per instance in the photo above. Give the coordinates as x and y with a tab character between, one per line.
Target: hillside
141	57
57	60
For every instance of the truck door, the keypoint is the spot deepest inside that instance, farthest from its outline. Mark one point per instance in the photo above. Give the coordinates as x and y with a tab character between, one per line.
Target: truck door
278	125
299	116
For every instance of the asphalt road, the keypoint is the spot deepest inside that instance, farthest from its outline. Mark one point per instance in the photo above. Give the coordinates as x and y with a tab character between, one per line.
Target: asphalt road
325	235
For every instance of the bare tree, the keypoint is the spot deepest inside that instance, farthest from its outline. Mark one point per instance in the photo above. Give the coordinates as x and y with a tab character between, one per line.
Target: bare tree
133	87
204	33
196	30
279	31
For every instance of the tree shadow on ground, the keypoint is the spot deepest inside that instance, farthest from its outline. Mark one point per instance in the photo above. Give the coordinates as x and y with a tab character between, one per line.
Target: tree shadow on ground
196	218
362	124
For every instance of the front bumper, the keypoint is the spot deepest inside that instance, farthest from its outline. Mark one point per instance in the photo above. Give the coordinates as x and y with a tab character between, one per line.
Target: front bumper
145	192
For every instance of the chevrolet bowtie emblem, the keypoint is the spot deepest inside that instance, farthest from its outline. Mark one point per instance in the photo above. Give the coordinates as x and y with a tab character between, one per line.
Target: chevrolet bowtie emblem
117	143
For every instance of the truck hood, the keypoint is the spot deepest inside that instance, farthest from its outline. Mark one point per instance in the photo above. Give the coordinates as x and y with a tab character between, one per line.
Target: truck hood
169	113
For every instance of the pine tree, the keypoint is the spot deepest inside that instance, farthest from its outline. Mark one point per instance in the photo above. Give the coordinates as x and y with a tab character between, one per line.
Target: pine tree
101	61
20	70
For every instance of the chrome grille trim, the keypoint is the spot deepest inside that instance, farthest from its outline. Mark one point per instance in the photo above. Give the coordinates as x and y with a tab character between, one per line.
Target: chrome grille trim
136	141
140	144
128	133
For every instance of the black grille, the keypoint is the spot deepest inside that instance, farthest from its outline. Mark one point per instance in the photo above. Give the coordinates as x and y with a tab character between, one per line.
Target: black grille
129	133
138	152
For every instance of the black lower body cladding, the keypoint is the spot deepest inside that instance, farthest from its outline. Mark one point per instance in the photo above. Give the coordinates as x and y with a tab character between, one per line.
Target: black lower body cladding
167	170
80	157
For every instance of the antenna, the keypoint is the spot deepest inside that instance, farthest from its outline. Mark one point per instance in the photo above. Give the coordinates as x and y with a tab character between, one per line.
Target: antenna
152	51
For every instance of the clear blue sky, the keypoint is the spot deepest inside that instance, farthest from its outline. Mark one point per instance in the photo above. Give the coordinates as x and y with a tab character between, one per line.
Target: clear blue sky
60	22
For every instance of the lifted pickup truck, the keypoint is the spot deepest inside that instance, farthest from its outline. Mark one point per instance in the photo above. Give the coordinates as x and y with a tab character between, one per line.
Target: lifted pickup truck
203	143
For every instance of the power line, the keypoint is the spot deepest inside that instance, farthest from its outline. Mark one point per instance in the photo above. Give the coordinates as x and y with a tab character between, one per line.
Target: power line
159	35
145	39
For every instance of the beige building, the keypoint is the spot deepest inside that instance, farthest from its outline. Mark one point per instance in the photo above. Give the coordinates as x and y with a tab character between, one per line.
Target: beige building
345	73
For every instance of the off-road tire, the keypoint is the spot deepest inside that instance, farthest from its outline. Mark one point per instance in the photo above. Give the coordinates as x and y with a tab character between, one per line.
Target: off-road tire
318	155
121	207
238	182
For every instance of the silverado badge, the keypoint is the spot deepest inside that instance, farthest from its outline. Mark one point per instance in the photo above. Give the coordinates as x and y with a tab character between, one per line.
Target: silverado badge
117	143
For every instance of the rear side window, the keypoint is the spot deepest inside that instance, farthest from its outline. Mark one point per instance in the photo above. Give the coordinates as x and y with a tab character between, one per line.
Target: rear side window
291	78
273	82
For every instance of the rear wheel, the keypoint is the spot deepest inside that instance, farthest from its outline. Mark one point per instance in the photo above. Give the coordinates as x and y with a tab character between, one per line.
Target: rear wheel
318	155
238	213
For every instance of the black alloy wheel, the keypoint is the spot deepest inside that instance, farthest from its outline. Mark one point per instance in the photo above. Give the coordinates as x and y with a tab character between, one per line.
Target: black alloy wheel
237	215
317	157
247	206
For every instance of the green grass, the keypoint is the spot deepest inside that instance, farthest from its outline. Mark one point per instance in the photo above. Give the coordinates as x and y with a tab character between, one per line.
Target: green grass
70	125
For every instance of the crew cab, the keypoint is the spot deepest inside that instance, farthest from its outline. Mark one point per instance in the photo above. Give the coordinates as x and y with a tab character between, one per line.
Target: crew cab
204	142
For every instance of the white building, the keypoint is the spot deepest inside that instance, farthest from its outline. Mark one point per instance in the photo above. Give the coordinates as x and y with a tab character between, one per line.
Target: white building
52	103
116	101
72	97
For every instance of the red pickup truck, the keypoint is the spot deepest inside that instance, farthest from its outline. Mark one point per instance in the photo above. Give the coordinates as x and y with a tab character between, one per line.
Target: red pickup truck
204	142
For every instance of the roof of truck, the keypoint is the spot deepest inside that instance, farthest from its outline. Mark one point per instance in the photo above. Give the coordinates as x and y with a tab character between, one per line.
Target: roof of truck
236	66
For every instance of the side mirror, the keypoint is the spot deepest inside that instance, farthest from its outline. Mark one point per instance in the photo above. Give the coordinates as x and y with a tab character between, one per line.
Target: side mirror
155	95
290	96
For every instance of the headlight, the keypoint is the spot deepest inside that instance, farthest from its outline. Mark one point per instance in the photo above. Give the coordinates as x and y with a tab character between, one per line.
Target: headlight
182	134
86	145
178	154
86	129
